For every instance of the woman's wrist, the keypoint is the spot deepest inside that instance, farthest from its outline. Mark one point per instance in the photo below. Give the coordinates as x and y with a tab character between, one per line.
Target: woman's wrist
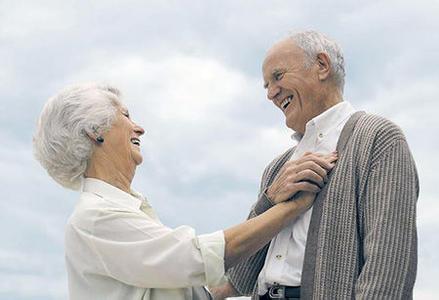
293	208
288	211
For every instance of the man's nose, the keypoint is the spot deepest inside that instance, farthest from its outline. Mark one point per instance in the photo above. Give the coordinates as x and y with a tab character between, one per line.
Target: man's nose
272	92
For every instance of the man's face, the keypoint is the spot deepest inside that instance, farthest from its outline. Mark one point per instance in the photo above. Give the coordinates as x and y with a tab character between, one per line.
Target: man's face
292	87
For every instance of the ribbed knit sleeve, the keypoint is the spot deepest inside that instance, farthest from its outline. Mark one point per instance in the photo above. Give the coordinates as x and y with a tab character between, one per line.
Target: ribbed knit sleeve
244	275
388	215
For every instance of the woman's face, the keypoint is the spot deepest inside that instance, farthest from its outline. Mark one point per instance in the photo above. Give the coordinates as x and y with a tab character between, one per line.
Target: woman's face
122	141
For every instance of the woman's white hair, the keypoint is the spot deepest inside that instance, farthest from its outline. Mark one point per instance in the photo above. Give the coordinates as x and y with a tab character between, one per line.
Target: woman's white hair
60	142
313	43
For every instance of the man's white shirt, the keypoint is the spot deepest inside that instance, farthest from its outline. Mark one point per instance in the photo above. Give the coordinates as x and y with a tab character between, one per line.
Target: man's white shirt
116	248
284	260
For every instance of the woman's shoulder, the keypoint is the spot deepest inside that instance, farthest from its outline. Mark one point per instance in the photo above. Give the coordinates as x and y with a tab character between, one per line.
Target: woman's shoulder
96	211
88	208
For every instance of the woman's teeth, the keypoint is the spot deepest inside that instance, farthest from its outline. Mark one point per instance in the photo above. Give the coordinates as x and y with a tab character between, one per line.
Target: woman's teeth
286	102
135	141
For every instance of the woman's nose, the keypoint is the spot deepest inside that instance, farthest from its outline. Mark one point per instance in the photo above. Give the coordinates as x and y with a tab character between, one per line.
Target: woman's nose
139	130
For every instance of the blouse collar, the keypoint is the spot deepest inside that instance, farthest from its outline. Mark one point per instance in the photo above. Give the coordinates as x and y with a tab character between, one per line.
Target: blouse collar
106	190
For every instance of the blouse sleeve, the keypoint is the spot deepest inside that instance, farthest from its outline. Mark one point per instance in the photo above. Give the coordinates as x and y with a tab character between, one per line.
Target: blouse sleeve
136	250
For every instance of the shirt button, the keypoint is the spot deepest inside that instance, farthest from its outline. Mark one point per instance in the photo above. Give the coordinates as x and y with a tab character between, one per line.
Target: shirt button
278	256
320	135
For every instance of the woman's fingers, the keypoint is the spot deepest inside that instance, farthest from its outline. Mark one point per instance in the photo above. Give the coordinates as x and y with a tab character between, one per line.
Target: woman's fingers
314	153
309	175
286	167
326	162
332	157
310	165
306	187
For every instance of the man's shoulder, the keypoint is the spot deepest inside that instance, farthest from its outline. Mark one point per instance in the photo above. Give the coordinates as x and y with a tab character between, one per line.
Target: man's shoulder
375	135
378	128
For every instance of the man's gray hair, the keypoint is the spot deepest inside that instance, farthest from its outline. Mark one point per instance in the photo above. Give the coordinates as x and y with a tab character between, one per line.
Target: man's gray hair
313	43
60	142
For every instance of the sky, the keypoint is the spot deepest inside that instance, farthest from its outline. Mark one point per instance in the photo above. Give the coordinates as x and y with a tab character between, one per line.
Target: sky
190	74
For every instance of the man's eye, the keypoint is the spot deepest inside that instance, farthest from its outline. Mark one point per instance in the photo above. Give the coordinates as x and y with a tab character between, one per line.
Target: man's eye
278	76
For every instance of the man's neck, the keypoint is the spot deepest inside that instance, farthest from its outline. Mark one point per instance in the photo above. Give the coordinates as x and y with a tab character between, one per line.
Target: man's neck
328	99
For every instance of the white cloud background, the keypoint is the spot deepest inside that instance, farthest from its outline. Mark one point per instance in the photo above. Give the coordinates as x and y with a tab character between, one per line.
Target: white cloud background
190	74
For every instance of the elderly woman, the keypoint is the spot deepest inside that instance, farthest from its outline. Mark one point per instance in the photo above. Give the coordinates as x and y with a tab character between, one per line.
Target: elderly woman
116	247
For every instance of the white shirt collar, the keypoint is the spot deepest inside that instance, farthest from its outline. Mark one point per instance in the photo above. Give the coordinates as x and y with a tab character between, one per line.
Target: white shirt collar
106	190
327	120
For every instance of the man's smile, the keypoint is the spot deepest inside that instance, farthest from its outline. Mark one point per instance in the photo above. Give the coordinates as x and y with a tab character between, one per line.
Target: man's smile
284	103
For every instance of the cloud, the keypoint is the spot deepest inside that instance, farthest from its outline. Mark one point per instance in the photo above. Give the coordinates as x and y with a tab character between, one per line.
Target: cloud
34	212
25	20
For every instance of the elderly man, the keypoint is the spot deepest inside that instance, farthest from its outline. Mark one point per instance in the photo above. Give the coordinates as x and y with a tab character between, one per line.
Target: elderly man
359	239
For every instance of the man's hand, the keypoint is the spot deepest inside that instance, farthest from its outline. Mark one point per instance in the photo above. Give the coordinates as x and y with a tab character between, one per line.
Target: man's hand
223	291
307	174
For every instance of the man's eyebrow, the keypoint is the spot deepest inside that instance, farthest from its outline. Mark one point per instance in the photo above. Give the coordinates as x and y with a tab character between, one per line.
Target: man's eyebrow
273	74
277	70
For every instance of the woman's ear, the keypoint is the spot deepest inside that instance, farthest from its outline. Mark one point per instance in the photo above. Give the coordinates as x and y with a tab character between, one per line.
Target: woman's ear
94	135
324	66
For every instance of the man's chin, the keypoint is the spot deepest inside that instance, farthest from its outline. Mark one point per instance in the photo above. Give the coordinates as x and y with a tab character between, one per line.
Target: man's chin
295	128
290	124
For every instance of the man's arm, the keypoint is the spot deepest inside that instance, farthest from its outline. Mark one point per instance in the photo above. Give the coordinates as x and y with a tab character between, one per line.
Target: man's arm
224	291
308	173
389	228
244	275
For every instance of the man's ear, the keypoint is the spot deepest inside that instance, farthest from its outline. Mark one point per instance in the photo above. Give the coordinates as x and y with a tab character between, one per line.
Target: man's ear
324	66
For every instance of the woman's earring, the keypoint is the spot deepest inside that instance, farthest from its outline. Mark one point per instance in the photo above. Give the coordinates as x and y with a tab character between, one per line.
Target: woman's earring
99	139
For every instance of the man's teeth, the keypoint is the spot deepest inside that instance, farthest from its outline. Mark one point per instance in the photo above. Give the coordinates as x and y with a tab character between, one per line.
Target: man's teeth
286	102
135	141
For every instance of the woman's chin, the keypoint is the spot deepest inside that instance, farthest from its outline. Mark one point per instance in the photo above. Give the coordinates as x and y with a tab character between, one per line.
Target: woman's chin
138	160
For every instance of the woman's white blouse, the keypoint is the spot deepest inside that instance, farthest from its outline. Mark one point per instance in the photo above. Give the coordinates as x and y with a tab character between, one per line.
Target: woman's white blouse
116	248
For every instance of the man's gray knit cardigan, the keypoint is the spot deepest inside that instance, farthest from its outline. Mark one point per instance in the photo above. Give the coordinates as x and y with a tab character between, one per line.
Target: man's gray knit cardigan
362	241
